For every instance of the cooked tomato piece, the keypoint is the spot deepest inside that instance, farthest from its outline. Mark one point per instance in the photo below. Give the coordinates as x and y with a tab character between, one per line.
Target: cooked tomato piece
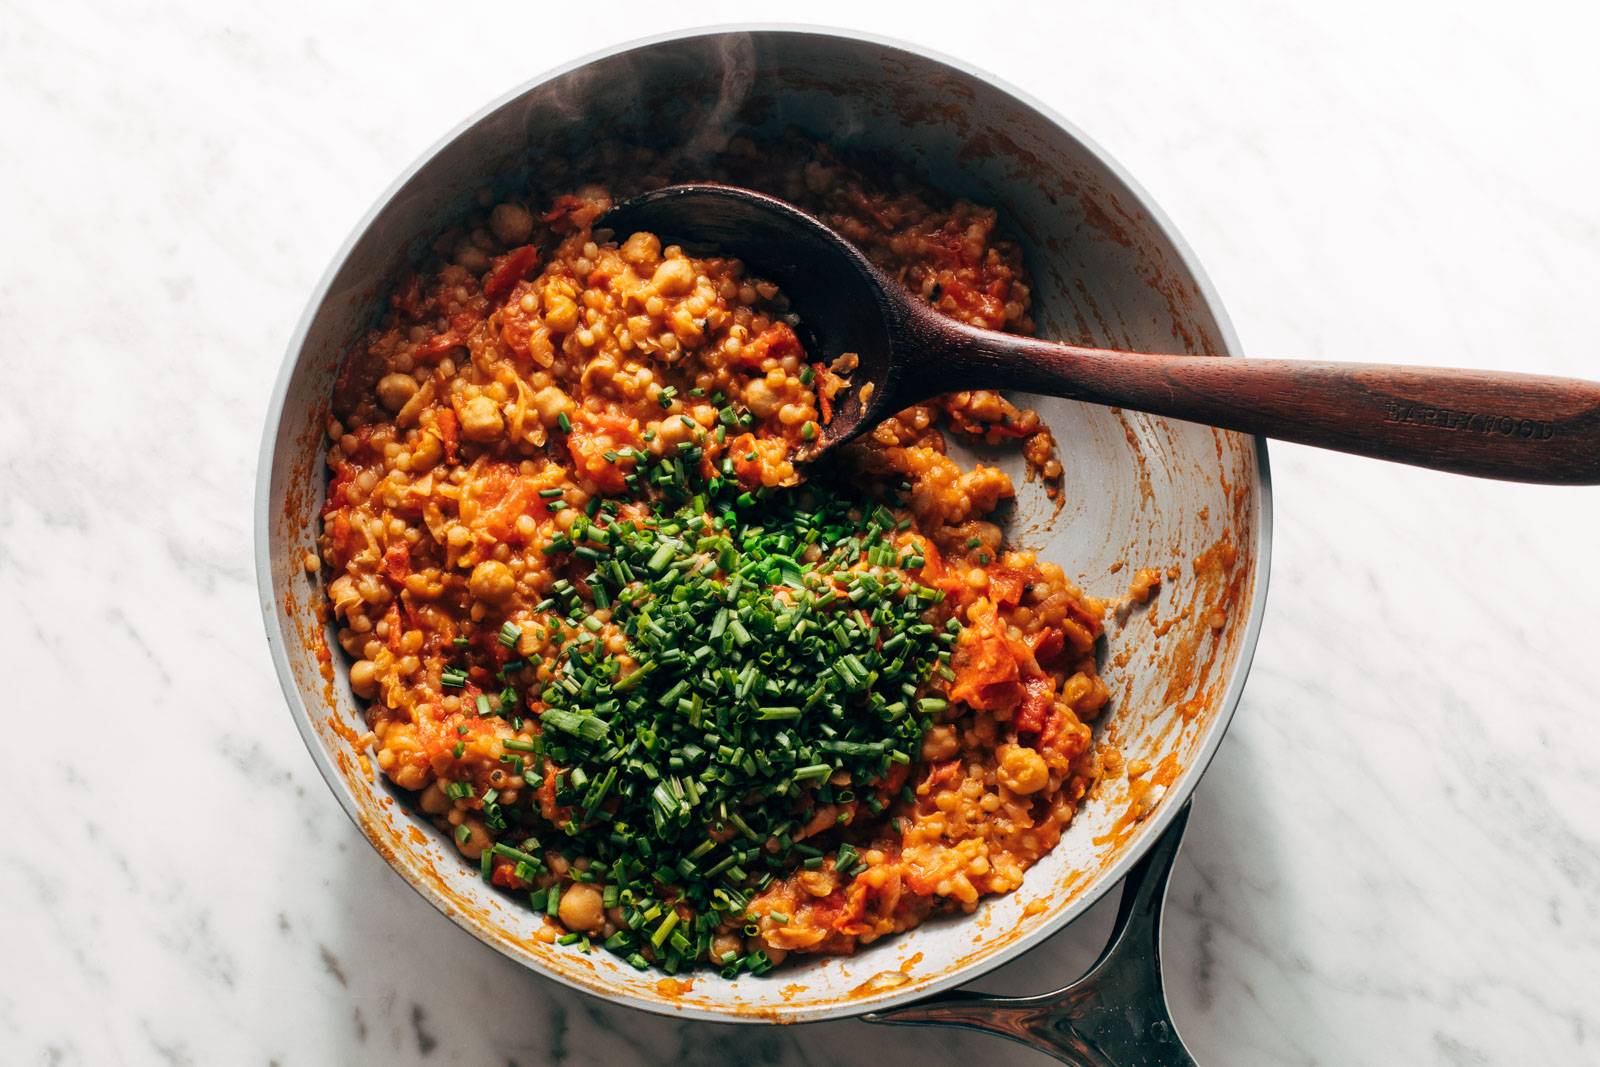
1047	645
436	347
396	625
777	341
747	470
570	213
1085	619
510	269
1038	694
824	401
397	561
984	663
1006	585
341	533
504	875
507	496
449	428
593	436
852	910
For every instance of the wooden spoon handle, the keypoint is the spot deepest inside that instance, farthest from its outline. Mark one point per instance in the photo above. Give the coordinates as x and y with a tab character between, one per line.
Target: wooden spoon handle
1515	427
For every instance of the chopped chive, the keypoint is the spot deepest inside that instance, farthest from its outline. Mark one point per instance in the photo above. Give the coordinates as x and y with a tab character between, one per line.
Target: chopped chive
761	662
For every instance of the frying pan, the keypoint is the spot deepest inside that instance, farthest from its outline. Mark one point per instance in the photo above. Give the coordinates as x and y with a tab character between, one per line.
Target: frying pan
1140	491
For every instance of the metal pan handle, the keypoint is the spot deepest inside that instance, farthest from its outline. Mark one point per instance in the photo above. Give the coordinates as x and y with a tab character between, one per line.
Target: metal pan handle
1115	1015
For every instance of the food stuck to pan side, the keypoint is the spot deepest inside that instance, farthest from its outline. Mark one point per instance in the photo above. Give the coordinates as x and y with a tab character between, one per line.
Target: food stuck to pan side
699	704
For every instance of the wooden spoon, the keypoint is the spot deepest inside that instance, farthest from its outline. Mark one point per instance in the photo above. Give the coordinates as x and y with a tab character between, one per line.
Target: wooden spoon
1517	427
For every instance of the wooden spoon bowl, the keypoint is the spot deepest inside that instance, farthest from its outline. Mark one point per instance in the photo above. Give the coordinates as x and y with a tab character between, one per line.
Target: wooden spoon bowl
1492	424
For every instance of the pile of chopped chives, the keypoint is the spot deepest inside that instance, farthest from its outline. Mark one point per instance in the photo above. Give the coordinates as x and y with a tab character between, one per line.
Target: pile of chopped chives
781	654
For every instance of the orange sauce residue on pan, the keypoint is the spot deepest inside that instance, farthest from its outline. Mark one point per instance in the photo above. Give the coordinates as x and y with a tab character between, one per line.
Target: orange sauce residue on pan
888	979
1146	493
1144	793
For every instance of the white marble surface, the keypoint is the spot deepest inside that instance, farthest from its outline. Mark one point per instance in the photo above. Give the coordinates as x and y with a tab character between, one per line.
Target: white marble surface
1395	859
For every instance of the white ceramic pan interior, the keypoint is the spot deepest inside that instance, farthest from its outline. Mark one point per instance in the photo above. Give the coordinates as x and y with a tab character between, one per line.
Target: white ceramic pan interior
1139	492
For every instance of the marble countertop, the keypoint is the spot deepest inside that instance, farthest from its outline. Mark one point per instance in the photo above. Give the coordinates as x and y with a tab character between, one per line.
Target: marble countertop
1395	858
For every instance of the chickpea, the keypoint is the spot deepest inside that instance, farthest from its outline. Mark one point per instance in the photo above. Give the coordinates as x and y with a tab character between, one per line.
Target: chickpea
759	398
723	944
395	389
470	257
412	776
364	678
642	249
601	369
581	907
674	277
492	581
669	432
480	419
429	450
433	800
560	312
342	591
477	838
1094	699
1022	770
511	223
940	742
685	328
550	402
